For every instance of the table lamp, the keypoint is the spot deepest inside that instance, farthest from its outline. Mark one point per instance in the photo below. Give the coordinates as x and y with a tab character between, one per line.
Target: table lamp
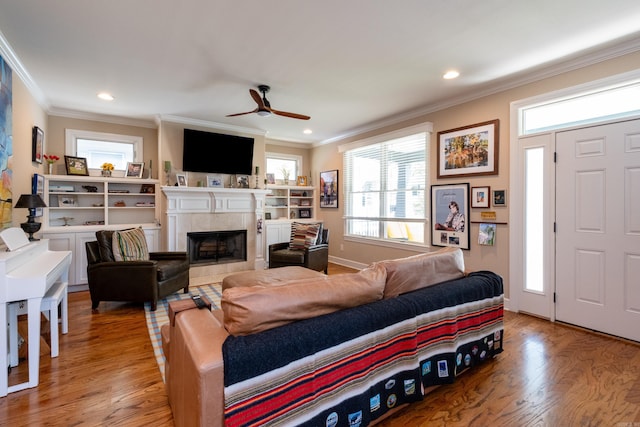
31	202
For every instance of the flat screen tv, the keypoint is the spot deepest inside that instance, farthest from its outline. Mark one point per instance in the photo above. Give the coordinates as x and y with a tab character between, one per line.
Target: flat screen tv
216	153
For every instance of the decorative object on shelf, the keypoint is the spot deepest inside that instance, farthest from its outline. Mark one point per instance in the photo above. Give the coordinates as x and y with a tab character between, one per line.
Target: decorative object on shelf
267	215
37	145
292	215
37	187
67	220
329	189
31	202
148	188
134	169
120	204
107	169
215	181
181	179
90	188
305	213
301	180
51	159
167	171
285	175
243	181
271	178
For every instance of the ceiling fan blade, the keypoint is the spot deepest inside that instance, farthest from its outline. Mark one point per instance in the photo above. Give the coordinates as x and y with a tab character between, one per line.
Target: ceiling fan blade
242	114
292	115
256	97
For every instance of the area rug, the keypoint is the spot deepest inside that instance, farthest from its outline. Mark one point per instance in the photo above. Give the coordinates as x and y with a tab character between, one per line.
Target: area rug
155	319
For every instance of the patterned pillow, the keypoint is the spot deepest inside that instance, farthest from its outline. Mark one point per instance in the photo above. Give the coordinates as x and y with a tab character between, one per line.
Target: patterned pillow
130	245
303	235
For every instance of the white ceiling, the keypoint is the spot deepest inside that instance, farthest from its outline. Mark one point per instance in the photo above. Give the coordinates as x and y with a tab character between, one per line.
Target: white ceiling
350	65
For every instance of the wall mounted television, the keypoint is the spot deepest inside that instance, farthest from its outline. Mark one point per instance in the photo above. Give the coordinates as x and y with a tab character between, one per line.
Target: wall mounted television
216	153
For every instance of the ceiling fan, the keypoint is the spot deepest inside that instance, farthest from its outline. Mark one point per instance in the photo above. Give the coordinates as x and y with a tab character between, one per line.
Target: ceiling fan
264	107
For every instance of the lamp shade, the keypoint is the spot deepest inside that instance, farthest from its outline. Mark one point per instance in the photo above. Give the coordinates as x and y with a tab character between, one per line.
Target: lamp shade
30	201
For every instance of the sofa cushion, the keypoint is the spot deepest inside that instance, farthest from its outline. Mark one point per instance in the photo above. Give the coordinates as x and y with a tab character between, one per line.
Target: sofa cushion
304	235
130	245
248	310
271	277
418	271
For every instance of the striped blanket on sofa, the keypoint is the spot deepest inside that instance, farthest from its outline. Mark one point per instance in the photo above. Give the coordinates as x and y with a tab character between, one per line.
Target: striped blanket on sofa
352	366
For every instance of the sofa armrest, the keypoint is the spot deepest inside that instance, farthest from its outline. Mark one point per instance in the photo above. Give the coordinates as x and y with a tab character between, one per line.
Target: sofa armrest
195	377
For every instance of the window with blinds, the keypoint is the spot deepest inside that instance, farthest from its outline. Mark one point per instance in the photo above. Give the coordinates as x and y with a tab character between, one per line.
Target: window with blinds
385	189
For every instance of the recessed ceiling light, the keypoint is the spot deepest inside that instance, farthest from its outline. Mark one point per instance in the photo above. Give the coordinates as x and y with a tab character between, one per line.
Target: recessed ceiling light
451	75
307	131
105	96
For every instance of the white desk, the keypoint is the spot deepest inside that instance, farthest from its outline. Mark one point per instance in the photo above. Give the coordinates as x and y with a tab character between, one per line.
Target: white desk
26	274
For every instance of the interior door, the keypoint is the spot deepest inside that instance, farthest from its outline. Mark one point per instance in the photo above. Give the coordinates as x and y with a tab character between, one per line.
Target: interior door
598	228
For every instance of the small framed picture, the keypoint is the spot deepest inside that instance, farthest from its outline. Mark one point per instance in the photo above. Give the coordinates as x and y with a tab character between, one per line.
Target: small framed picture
480	197
267	215
242	181
301	180
37	152
37	187
76	165
500	198
134	169
148	188
305	213
271	178
215	181
181	179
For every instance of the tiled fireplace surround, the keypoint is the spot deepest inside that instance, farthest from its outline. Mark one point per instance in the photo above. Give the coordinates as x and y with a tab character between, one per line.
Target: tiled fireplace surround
195	209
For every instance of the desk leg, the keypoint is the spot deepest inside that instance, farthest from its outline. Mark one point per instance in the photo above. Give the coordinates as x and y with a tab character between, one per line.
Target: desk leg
4	361
34	340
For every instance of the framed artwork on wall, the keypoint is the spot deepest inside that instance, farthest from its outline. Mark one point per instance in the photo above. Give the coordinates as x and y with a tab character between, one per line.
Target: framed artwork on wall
500	198
480	197
37	142
329	189
469	150
449	212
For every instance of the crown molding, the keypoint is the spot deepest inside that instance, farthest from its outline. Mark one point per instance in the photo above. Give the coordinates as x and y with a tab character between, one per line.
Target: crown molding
12	59
105	118
208	124
612	52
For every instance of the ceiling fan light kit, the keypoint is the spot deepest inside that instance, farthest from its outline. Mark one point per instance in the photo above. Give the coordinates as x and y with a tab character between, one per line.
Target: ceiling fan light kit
264	106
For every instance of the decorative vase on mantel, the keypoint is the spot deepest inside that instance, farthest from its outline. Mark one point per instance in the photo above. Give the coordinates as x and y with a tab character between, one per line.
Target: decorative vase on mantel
106	173
50	168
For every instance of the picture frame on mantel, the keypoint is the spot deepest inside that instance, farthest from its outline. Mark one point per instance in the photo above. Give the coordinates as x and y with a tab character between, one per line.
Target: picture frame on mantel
469	150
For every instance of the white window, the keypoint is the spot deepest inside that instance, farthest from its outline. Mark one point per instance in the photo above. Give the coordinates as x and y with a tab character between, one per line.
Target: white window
278	164
591	106
385	187
99	148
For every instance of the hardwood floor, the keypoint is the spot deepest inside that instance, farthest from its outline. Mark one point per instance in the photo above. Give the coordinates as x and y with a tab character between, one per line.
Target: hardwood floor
548	375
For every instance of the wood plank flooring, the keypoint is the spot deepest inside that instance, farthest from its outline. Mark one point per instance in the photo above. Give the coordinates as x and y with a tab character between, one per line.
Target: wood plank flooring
548	375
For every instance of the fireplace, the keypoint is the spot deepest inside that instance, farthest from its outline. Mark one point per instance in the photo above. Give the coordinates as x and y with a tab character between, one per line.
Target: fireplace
217	247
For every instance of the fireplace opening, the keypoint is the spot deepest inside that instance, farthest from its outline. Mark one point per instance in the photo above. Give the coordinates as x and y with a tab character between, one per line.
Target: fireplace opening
217	247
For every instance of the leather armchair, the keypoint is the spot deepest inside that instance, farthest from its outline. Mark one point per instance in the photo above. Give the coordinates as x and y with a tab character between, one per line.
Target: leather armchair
136	281
315	257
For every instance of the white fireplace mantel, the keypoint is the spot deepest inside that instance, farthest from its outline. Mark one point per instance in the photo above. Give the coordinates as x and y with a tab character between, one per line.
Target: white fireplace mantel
214	200
194	209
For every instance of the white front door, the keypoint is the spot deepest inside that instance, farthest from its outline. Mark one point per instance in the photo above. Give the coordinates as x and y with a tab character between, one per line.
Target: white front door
598	228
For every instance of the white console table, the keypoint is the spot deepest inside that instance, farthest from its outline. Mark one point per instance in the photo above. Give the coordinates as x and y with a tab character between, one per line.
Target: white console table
27	273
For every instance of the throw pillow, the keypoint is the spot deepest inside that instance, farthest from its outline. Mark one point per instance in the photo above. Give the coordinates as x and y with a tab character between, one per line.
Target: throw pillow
303	235
130	245
252	309
419	271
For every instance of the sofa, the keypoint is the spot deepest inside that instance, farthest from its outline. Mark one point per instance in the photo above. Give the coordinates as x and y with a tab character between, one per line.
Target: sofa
345	349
